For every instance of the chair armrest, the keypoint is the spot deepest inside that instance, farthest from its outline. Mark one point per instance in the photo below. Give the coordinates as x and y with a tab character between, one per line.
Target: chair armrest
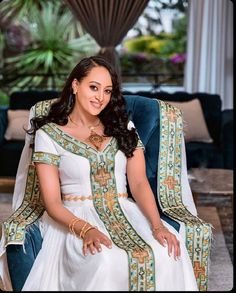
3	122
227	126
227	138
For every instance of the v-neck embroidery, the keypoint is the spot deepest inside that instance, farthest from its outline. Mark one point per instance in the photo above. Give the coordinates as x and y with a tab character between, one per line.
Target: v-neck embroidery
87	145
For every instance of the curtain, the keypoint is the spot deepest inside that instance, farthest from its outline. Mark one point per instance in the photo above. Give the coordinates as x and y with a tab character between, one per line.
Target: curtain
209	63
107	21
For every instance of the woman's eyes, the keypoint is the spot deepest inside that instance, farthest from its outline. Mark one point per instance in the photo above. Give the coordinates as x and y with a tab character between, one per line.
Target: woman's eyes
95	88
108	92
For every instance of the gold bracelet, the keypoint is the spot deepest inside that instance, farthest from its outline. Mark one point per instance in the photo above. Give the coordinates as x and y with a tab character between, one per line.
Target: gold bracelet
72	224
74	219
89	228
73	227
82	230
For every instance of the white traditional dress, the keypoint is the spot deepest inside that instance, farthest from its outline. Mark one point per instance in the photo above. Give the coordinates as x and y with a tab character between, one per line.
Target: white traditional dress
93	186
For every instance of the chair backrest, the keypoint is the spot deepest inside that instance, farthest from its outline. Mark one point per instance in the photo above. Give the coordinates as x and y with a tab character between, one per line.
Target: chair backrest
26	99
211	105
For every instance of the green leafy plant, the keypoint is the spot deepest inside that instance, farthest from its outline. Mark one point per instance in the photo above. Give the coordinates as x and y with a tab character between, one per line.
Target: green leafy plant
54	48
4	98
19	9
1	48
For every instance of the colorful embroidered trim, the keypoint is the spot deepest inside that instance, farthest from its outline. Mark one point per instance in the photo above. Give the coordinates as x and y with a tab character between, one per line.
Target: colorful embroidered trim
42	108
198	232
47	158
140	144
140	254
31	208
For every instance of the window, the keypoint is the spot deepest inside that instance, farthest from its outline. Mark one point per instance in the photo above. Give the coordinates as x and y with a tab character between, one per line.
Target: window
154	49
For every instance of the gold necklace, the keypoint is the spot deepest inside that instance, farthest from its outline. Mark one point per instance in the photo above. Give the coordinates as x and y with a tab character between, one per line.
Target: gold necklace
94	138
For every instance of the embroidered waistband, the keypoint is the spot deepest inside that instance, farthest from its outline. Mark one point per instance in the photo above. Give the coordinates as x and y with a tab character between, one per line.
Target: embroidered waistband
67	197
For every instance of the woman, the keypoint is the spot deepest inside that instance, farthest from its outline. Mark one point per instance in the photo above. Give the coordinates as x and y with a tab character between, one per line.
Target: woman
94	237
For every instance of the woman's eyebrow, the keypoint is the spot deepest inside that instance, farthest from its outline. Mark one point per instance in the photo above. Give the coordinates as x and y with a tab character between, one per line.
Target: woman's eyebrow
99	83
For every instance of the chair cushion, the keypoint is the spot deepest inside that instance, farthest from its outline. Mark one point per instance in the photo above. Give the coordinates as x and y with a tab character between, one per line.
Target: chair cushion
211	107
195	128
17	124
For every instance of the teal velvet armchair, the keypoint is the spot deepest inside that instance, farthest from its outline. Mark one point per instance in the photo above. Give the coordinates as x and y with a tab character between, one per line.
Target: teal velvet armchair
152	118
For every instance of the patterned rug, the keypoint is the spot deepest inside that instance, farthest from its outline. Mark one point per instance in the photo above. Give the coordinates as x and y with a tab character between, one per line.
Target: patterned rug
224	205
217	211
221	268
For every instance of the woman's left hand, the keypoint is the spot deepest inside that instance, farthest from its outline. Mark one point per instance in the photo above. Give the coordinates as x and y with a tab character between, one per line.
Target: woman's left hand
163	235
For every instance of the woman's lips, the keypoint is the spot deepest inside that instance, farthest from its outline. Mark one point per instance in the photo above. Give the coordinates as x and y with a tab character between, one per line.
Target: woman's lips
96	105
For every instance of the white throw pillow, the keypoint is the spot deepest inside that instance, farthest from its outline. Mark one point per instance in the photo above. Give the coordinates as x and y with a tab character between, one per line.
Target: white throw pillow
17	122
195	128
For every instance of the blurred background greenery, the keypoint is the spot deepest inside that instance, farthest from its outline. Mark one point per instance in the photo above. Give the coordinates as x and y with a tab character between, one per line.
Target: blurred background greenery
41	41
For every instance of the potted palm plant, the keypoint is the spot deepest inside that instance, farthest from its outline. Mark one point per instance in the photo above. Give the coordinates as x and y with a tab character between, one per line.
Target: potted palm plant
56	42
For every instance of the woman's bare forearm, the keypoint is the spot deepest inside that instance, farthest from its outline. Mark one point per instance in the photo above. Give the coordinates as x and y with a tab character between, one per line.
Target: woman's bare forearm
145	199
51	196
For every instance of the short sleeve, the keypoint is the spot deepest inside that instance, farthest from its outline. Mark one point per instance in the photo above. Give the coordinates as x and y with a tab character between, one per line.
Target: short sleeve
44	149
140	143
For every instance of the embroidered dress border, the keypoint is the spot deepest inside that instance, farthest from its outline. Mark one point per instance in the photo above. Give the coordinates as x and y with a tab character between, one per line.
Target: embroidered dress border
140	254
42	108
29	211
140	144
198	232
47	158
70	143
31	208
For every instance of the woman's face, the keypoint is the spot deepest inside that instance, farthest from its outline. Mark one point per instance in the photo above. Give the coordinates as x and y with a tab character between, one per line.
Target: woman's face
93	93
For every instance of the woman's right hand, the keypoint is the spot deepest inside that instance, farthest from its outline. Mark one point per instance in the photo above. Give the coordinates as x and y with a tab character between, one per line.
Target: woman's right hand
92	241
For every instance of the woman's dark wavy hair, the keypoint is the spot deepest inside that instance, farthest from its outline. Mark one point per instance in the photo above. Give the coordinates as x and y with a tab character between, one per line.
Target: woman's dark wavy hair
114	117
